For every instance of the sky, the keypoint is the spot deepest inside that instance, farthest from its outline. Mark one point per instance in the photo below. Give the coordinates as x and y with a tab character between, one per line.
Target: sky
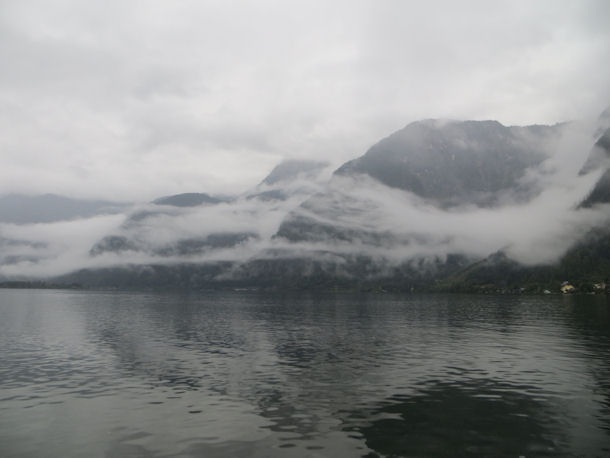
131	100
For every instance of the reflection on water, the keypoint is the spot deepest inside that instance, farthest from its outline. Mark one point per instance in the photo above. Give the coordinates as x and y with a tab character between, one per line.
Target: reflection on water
483	418
248	374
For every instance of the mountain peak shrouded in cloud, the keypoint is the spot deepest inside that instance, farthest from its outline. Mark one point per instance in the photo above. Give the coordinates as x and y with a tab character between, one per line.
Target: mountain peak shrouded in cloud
417	208
291	178
197	226
457	162
294	169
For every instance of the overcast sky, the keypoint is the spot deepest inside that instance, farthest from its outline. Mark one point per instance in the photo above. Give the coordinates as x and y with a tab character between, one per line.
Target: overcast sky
130	100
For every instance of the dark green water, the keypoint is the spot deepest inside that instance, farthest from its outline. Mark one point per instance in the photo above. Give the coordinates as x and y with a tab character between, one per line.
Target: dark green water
254	375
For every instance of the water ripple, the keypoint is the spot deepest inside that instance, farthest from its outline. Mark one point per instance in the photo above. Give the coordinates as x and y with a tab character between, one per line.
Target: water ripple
128	374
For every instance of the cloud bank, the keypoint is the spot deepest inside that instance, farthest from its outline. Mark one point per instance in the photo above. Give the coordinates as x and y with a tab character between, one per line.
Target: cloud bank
338	215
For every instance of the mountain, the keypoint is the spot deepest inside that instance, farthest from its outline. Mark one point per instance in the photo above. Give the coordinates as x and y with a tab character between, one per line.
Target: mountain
13	251
328	270
438	205
294	169
22	209
600	193
290	178
183	247
189	199
453	163
192	225
584	264
444	164
599	158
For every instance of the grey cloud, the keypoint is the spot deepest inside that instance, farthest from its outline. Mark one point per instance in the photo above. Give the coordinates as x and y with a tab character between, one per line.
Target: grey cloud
134	100
98	97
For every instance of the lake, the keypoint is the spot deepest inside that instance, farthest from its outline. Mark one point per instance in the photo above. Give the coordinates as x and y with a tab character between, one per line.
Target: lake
232	374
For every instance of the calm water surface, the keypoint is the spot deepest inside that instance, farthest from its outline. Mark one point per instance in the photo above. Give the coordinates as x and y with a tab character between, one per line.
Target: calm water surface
259	375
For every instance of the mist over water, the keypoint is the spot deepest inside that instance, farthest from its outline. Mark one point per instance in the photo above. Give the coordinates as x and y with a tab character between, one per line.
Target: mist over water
252	374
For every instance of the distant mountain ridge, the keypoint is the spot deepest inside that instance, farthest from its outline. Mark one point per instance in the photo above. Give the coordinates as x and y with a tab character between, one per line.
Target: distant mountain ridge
23	209
288	181
358	228
190	199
